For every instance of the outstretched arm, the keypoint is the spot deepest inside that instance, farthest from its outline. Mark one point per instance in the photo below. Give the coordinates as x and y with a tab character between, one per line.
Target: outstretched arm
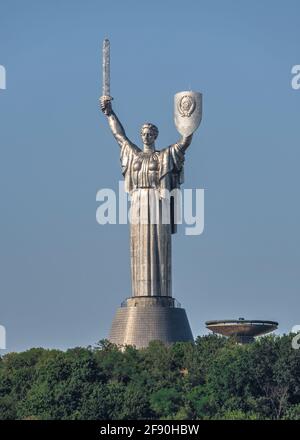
113	121
185	142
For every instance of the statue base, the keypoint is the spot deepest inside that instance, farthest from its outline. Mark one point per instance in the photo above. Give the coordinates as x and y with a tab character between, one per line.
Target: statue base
142	319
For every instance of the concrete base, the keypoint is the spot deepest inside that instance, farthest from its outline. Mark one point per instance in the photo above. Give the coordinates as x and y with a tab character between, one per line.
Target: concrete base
142	319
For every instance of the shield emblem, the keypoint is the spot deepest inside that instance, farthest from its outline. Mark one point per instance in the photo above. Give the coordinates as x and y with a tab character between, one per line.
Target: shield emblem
187	112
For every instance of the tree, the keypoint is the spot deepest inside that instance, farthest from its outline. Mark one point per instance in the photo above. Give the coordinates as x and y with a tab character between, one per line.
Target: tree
165	402
211	379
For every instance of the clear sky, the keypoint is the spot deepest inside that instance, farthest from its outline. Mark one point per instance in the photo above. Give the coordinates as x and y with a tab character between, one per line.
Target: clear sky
62	275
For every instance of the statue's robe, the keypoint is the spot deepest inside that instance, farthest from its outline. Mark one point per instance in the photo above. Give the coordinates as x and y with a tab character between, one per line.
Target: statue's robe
149	179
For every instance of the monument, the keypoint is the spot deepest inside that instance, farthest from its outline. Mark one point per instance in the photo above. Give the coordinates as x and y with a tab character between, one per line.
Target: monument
151	175
242	330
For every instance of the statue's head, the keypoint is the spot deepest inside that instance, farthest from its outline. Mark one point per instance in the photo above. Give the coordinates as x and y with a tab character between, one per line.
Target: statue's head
149	133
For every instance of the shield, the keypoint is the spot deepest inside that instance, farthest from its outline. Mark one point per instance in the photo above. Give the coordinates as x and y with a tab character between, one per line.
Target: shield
187	112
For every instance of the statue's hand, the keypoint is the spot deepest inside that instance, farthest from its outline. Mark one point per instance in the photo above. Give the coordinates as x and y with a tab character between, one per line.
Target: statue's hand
105	104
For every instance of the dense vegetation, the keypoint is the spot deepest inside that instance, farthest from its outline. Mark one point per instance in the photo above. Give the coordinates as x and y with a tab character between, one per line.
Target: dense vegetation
212	379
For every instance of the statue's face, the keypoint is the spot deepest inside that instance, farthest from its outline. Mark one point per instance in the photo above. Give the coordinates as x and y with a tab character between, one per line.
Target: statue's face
148	136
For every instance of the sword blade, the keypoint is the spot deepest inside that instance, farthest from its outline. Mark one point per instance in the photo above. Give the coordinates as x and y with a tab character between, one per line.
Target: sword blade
106	68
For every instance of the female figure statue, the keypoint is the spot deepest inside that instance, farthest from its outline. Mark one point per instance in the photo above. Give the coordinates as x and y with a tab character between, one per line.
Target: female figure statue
150	175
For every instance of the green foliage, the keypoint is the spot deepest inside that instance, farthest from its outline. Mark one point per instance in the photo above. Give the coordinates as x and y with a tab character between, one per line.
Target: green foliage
211	379
198	402
239	415
292	413
165	402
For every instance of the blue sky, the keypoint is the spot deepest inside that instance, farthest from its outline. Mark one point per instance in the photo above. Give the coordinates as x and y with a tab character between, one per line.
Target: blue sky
62	274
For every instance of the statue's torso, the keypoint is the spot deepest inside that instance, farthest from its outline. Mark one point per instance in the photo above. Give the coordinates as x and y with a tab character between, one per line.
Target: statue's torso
146	168
161	170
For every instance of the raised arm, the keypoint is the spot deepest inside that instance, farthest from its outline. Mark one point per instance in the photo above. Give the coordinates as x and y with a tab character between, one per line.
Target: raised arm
113	121
185	142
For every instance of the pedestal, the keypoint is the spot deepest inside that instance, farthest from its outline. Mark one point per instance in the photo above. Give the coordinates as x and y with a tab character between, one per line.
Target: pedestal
142	319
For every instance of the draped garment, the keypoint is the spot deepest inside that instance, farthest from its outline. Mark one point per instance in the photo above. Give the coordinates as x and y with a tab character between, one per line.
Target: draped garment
149	179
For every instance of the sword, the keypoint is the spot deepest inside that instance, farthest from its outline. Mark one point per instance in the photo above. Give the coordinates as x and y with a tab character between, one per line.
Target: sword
106	69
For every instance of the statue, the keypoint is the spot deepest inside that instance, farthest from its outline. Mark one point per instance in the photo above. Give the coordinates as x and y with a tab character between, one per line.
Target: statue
150	176
147	172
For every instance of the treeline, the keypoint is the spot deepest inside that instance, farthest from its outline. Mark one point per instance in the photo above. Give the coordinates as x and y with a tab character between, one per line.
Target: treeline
211	379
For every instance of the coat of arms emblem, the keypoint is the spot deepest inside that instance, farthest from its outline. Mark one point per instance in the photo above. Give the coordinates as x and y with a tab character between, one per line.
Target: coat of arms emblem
186	105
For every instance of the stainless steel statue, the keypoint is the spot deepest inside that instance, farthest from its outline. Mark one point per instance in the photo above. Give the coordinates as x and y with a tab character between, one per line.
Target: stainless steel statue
150	177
